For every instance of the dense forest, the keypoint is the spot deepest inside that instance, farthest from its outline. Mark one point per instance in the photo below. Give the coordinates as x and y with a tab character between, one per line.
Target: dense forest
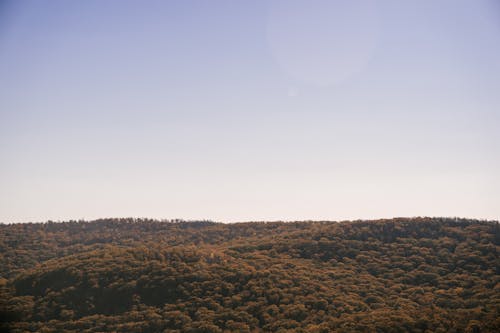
141	275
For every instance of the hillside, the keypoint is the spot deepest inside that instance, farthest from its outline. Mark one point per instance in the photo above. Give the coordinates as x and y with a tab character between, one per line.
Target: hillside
139	275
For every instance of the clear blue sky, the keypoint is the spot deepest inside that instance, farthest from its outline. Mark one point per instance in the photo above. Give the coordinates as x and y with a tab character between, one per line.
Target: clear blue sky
249	110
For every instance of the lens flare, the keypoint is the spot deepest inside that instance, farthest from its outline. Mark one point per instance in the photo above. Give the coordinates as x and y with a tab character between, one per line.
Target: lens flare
322	42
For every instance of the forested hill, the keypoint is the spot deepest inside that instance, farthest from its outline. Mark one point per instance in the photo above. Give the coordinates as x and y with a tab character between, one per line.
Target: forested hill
138	275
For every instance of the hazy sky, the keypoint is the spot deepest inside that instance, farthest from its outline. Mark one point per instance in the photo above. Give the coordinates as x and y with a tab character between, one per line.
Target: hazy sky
249	110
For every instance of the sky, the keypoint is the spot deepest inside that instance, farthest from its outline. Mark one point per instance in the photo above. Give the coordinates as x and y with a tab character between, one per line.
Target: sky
249	110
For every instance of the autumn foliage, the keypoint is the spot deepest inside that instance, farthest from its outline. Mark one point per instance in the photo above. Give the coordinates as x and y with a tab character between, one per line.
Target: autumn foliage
139	275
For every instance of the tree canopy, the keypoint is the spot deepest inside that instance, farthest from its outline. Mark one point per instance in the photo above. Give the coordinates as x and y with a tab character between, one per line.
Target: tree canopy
141	275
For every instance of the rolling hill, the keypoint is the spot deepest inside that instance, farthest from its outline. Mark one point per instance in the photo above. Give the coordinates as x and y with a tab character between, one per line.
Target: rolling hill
141	275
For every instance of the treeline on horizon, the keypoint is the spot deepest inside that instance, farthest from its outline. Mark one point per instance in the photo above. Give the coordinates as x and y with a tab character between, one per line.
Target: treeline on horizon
143	275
